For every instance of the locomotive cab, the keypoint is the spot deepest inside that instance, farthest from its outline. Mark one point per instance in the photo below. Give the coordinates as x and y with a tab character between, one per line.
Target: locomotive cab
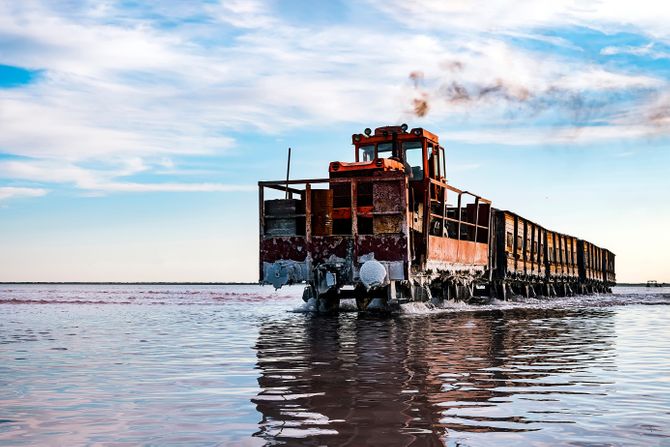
422	159
417	151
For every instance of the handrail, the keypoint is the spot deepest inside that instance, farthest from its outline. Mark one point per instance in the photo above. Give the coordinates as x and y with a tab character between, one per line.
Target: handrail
479	201
479	197
456	190
282	183
292	182
451	219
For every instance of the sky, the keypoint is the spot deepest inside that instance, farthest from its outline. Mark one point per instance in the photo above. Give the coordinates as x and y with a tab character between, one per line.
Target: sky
133	133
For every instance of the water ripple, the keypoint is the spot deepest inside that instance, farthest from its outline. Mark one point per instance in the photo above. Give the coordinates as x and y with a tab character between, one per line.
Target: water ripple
228	365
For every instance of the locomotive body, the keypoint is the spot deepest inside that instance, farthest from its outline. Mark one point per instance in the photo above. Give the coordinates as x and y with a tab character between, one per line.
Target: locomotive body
388	228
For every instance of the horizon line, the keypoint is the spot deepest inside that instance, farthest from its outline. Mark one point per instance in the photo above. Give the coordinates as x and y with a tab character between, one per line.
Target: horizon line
187	283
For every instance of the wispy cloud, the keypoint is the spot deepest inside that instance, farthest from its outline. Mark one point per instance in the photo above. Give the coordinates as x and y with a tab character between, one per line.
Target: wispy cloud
102	181
567	136
500	16
624	154
169	187
243	13
647	50
12	192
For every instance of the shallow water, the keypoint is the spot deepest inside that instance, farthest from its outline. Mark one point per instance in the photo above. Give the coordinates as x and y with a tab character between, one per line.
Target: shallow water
230	365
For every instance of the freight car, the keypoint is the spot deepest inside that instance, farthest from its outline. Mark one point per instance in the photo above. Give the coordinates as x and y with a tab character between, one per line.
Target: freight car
388	228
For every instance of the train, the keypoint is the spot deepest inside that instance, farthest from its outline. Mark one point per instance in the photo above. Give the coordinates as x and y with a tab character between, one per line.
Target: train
388	228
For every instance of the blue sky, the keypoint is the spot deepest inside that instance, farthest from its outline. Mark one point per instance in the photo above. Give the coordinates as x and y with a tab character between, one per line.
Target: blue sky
132	134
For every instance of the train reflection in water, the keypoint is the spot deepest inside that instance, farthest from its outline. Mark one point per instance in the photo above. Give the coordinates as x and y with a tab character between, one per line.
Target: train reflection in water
430	380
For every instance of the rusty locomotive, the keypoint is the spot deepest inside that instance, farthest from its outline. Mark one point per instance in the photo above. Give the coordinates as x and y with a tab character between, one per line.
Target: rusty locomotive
388	228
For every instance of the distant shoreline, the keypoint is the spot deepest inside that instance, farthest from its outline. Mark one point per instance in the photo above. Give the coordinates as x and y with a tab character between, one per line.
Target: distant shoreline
130	283
641	284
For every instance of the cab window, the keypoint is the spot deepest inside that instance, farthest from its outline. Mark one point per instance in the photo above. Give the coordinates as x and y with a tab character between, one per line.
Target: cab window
433	162
414	158
385	150
366	153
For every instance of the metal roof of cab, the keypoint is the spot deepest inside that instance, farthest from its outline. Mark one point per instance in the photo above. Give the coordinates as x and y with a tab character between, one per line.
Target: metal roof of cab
382	133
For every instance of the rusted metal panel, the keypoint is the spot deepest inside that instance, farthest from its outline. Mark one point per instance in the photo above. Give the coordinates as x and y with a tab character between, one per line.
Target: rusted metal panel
283	248
457	252
528	261
341	213
534	253
599	262
562	268
365	211
559	254
386	196
308	213
280	217
466	252
261	228
539	241
388	224
386	247
574	270
497	240
354	218
416	218
444	250
510	243
481	253
520	242
511	268
593	264
535	256
343	168
321	212
551	254
323	247
608	268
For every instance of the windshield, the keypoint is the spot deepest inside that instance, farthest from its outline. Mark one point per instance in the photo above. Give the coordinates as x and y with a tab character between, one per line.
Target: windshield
366	153
385	150
413	152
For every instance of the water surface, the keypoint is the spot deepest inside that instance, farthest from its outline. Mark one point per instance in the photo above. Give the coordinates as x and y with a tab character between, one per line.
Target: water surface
230	365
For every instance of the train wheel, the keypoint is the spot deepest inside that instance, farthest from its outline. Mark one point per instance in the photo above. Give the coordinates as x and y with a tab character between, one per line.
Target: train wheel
376	300
328	302
308	293
500	291
510	291
362	303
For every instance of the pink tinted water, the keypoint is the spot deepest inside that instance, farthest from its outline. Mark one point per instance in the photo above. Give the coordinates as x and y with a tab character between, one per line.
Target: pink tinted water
229	365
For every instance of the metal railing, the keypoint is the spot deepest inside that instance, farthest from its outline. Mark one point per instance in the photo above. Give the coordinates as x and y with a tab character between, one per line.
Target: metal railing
460	222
